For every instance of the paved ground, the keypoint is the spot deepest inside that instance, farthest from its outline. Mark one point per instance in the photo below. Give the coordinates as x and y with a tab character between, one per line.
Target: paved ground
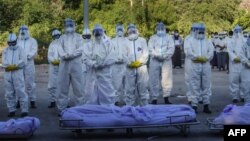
50	131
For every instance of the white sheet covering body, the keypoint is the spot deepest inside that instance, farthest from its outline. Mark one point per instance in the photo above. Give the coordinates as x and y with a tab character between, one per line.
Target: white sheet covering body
21	126
112	116
233	114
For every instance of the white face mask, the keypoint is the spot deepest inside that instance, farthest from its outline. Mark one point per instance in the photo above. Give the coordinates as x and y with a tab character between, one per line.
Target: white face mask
120	33
160	32
69	30
201	36
25	35
237	35
133	36
98	37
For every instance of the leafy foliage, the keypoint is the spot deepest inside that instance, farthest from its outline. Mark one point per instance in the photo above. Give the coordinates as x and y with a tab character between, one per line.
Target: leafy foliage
43	15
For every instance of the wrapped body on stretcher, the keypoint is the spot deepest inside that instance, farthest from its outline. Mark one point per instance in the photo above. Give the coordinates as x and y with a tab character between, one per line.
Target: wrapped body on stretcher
22	126
113	116
232	114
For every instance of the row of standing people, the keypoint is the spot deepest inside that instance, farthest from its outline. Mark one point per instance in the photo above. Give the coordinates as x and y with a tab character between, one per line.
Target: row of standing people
108	71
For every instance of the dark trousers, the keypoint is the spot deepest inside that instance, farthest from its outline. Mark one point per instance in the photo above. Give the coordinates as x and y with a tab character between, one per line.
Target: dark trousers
177	57
221	58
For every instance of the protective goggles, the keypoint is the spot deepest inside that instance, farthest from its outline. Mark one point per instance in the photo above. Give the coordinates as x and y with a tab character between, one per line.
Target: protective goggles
86	36
97	32
23	28
132	31
12	43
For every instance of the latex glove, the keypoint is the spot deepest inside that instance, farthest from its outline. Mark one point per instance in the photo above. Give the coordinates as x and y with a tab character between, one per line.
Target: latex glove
237	60
248	65
99	66
29	57
11	68
200	59
55	62
160	58
135	64
68	57
119	61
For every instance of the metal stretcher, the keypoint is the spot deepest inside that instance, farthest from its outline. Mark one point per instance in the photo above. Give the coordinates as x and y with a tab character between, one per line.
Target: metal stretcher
17	135
184	127
214	127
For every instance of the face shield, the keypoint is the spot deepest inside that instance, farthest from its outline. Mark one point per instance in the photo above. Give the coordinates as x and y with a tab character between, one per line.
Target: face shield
201	32
160	29
24	32
119	31
56	34
132	32
12	40
98	33
69	26
237	31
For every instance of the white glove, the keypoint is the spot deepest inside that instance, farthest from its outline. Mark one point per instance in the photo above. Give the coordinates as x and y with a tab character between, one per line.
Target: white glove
248	64
29	57
120	61
99	66
67	57
159	58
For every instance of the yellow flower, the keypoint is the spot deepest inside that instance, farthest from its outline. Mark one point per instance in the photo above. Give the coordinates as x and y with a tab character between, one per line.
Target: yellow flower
11	68
135	64
56	62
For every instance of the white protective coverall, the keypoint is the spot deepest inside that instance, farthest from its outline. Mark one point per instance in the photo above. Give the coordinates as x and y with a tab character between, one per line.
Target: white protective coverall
137	79
70	68
14	80
53	69
120	44
200	74
234	48
99	79
87	50
29	45
160	71
245	72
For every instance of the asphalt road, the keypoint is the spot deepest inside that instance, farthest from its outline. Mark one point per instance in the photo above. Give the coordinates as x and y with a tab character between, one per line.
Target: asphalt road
49	130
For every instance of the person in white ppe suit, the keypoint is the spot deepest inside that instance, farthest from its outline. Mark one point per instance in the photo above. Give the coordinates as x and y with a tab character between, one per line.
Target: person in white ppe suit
200	51
70	68
136	74
161	49
29	45
120	44
187	60
100	88
235	65
86	55
54	61
245	72
13	60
